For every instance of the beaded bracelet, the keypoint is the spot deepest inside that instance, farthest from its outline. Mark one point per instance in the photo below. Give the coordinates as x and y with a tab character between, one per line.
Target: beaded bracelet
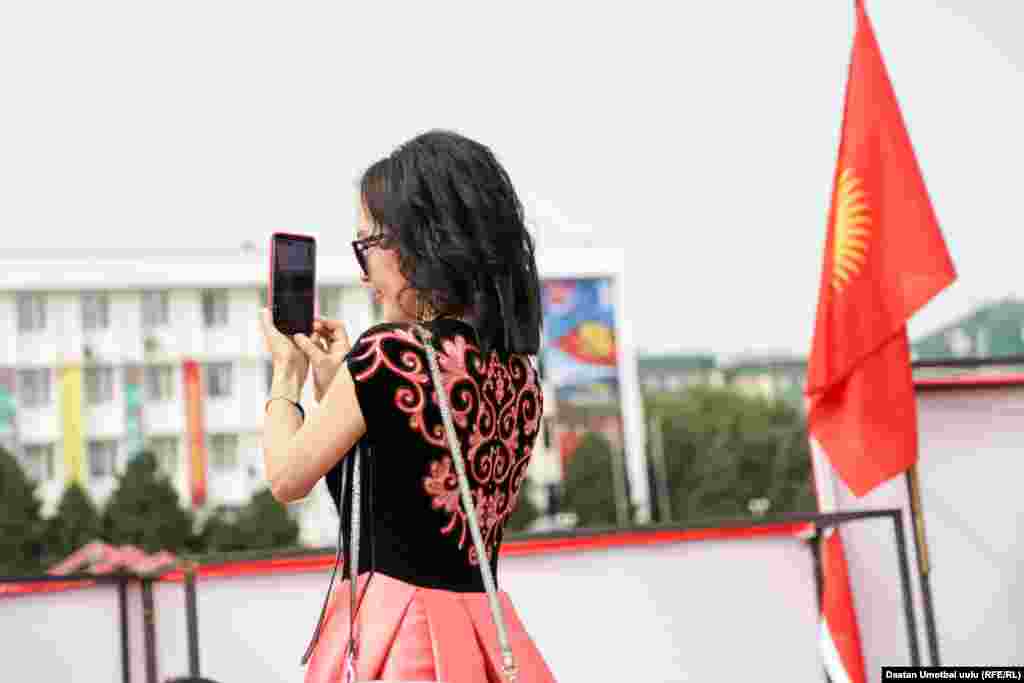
302	413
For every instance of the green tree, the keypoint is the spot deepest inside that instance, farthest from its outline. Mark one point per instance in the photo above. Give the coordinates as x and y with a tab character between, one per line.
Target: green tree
75	523
263	523
525	512
144	510
723	449
219	534
21	527
589	486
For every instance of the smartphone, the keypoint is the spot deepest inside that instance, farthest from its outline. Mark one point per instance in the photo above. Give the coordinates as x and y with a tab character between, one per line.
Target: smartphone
292	282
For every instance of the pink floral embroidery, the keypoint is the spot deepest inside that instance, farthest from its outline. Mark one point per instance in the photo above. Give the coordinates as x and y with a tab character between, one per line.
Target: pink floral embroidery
443	487
510	406
411	366
496	407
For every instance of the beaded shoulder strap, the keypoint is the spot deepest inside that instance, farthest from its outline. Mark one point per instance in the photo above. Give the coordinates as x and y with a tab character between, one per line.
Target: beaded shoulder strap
508	660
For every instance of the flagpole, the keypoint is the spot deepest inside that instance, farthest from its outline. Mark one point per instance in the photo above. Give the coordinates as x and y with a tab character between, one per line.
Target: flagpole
923	561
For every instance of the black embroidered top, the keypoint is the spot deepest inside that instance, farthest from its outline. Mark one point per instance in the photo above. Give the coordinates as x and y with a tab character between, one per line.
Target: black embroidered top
414	527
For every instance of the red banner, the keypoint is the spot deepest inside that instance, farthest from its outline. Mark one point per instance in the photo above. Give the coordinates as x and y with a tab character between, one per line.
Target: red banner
196	432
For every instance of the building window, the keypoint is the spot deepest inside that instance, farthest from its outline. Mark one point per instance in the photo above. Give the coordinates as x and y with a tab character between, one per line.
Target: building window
160	383
165	450
38	462
223	449
31	312
215	307
34	387
102	458
218	380
155	309
95	311
99	385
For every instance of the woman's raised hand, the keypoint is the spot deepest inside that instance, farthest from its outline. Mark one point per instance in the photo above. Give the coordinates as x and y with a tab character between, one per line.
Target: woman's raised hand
325	351
289	360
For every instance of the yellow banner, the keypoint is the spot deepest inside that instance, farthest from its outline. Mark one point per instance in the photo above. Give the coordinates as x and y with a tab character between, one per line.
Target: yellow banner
72	423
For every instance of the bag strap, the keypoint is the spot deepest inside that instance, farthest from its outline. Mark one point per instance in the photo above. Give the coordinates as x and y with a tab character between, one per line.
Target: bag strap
346	546
508	660
330	584
352	562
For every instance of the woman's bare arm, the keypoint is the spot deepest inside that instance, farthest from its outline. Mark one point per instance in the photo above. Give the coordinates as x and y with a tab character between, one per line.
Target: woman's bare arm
298	454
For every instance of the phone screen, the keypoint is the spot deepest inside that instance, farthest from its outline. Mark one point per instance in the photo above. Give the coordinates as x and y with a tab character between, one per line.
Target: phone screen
293	279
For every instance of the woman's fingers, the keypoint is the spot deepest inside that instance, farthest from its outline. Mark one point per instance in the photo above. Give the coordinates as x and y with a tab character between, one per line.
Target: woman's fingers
333	333
309	347
329	323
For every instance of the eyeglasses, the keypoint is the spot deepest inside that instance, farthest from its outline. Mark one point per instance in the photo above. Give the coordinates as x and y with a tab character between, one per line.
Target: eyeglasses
361	246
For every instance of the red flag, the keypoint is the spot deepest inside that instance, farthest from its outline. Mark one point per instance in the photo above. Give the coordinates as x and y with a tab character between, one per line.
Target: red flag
839	637
884	259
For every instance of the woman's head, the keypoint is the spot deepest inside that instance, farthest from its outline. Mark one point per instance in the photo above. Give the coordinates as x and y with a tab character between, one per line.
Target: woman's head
452	240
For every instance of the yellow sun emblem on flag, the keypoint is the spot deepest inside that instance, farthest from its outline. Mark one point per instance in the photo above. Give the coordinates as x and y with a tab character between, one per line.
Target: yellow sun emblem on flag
852	232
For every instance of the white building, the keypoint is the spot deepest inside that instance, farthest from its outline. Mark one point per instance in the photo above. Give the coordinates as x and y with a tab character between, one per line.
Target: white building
110	312
115	311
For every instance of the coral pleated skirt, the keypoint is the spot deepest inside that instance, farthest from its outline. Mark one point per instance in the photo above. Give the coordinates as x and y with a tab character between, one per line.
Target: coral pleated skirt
409	633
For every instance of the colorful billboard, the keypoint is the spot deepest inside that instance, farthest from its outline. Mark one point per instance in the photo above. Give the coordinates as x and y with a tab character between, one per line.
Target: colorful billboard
580	355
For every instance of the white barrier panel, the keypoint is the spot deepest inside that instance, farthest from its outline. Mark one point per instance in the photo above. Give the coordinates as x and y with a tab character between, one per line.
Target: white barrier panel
62	636
171	631
710	610
972	468
871	554
736	607
703	611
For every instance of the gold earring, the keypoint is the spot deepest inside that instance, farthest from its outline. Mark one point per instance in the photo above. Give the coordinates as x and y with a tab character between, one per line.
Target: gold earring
422	309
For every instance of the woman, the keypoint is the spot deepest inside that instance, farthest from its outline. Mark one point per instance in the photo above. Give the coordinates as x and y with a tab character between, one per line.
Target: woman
442	243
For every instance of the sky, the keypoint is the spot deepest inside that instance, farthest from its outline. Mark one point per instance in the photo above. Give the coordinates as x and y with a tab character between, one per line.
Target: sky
699	137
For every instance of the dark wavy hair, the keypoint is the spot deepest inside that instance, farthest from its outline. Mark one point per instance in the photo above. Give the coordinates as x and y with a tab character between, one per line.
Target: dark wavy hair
449	208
